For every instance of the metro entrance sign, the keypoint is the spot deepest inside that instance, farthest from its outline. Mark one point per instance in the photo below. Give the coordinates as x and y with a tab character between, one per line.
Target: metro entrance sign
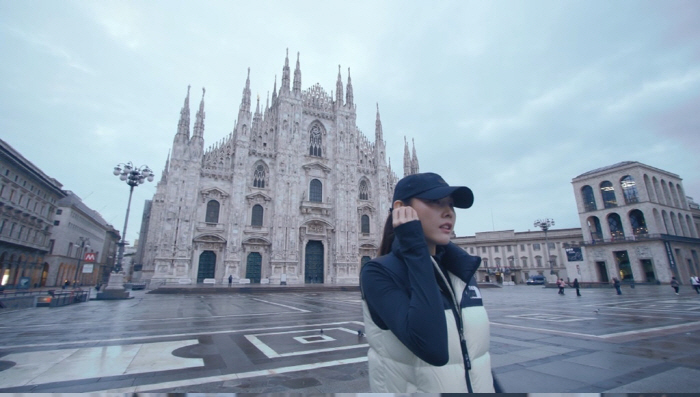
89	257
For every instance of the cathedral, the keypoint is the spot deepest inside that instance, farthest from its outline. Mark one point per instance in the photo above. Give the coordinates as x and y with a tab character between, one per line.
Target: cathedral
295	194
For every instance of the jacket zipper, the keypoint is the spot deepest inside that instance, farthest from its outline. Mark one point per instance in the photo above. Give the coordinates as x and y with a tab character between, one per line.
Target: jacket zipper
457	312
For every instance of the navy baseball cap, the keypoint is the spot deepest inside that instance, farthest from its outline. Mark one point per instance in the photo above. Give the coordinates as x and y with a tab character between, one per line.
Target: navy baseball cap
431	186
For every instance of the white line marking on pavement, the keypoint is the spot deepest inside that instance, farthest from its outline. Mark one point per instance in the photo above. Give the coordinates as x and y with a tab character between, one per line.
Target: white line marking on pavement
271	353
186	335
605	336
229	377
279	304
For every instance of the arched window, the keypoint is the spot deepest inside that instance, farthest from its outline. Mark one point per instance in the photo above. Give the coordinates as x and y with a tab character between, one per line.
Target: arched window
595	229
259	176
364	224
315	141
588	198
615	225
364	190
608	192
639	225
629	189
316	191
212	215
257	218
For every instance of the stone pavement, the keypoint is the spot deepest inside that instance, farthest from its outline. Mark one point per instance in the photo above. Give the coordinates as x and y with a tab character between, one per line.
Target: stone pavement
305	341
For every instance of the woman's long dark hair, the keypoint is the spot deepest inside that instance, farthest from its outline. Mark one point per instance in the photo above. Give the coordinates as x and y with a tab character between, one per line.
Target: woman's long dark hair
387	237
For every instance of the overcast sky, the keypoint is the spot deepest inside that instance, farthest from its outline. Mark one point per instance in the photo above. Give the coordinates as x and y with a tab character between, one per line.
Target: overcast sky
511	98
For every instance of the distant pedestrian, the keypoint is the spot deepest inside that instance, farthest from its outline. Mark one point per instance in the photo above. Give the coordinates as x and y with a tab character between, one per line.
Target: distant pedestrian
230	280
577	286
616	284
561	284
695	281
675	284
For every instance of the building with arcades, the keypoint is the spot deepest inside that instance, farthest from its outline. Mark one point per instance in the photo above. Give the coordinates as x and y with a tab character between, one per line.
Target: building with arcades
637	224
295	194
28	200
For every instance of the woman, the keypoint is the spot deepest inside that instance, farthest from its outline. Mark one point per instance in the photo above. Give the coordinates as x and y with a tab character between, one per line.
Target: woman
561	284
424	318
577	286
675	284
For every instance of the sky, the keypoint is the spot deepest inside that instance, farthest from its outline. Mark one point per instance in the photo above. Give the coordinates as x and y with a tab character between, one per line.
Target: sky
511	98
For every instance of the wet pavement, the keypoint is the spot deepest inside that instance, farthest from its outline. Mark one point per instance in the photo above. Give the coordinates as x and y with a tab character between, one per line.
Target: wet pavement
305	340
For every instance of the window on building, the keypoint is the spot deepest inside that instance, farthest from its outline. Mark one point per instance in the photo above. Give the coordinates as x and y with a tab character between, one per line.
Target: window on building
51	243
524	261
259	177
551	246
316	191
257	218
495	248
483	250
511	261
588	198
510	248
522	247
212	215
639	225
615	225
536	246
608	192
364	190
59	211
316	141
538	259
70	250
56	223
364	222
629	189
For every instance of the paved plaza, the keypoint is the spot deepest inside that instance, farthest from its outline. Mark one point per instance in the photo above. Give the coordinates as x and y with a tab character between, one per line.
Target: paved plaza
645	340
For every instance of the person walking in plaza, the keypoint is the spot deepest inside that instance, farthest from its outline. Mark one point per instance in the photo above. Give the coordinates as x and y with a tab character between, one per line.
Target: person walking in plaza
577	286
561	284
695	281
616	284
425	322
230	280
675	284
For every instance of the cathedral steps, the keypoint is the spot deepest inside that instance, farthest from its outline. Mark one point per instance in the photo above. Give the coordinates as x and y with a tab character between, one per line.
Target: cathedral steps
252	289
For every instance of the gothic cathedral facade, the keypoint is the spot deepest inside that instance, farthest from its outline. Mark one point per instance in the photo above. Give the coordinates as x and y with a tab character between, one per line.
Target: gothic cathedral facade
295	194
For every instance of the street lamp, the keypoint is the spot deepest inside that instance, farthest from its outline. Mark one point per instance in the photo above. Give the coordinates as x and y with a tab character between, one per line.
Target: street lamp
133	176
84	243
545	224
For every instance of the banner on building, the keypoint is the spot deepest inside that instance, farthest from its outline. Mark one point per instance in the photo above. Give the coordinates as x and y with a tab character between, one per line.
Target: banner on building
88	267
574	254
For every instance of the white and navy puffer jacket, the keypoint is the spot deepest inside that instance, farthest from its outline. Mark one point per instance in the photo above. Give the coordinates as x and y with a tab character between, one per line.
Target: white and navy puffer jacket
411	323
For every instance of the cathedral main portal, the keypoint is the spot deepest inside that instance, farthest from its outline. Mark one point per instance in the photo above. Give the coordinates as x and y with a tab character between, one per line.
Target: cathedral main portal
207	266
313	268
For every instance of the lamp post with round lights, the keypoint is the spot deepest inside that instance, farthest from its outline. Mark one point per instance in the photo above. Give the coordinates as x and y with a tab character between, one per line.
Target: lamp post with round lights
546	224
133	176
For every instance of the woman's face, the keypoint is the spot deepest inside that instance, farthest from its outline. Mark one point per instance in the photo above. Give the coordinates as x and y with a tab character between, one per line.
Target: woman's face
437	218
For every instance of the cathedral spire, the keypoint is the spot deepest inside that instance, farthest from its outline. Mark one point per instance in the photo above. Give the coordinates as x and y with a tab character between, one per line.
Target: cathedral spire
297	78
245	102
285	75
378	134
339	90
414	160
199	121
348	96
274	92
406	159
183	126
